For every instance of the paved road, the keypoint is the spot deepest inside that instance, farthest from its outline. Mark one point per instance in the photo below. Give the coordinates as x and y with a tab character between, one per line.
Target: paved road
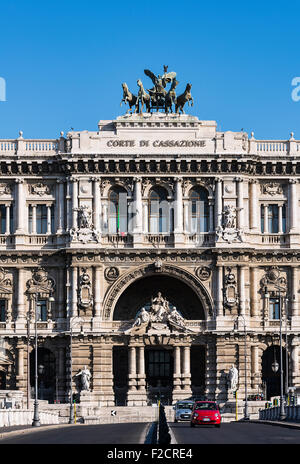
84	434
235	433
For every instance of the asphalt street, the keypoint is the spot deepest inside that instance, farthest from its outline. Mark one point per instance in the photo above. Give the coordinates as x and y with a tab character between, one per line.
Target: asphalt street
122	434
235	433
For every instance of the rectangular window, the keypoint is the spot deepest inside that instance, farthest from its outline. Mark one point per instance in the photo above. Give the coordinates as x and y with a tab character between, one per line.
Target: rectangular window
2	310
2	219
274	308
273	219
41	309
262	219
284	219
41	219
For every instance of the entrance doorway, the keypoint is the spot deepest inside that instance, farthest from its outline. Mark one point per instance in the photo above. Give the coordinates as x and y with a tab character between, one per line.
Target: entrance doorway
2	380
120	374
46	374
159	375
271	376
198	370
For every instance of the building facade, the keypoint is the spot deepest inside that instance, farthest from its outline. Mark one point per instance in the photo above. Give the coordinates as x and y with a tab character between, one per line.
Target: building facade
150	211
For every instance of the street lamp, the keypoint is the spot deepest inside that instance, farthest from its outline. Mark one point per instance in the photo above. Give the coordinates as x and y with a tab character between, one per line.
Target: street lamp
282	413
73	323
246	415
36	418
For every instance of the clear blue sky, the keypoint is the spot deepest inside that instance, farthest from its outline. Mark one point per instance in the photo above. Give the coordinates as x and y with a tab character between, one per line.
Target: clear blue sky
64	61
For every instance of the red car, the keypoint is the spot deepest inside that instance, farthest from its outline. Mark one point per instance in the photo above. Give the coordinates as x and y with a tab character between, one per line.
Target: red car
206	412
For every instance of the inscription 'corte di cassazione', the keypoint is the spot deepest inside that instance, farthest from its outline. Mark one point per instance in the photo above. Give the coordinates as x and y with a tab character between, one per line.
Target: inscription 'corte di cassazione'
156	143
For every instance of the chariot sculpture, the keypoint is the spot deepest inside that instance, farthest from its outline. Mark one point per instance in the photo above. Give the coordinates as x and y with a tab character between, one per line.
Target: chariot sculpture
158	97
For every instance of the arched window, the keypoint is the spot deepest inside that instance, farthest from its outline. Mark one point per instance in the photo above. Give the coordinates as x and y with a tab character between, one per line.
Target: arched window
117	211
160	212
199	210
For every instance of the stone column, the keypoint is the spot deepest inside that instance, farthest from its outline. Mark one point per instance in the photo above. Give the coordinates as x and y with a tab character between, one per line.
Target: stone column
49	219
266	223
145	216
69	206
293	205
255	376
280	219
295	291
74	203
132	376
218	202
219	290
254	287
20	207
295	361
186	226
7	222
61	292
242	290
103	374
240	202
61	374
141	377
20	297
20	362
60	207
254	206
74	273
97	287
186	375
137	212
211	216
177	372
178	206
20	378
33	226
96	203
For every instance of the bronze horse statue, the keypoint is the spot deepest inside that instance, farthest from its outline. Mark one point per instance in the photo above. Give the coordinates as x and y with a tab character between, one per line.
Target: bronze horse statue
183	98
143	98
128	97
170	97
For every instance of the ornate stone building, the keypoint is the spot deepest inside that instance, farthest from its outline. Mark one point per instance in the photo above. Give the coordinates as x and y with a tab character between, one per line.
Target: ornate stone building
103	221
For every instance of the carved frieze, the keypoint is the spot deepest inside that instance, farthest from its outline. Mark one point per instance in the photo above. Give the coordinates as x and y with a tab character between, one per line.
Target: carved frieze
40	283
5	189
271	188
39	189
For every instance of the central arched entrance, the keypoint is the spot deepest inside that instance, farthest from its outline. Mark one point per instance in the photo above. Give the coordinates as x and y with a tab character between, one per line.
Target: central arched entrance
140	292
167	365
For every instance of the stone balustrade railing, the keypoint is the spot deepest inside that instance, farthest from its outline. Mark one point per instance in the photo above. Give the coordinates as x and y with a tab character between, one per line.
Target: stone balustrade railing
11	417
30	147
273	414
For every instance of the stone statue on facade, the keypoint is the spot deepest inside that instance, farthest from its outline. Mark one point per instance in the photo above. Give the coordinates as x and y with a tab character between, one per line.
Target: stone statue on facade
142	319
229	231
160	318
85	231
233	377
85	379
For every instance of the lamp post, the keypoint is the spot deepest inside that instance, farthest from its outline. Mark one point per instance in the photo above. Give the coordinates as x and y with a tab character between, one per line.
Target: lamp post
73	322
36	418
282	413
286	348
246	415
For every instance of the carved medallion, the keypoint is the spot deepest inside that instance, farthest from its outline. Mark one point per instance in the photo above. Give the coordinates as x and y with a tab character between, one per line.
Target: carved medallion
203	272
111	273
